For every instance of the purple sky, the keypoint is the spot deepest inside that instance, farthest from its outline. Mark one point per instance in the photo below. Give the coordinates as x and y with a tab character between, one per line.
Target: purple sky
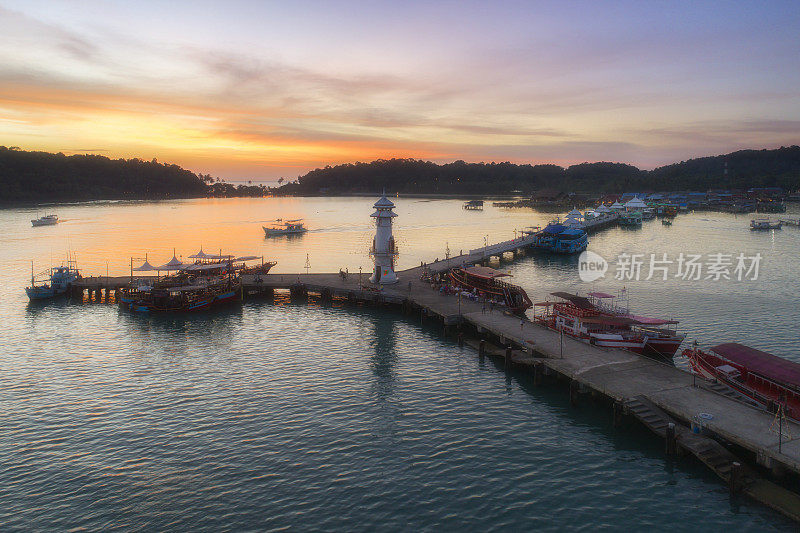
267	89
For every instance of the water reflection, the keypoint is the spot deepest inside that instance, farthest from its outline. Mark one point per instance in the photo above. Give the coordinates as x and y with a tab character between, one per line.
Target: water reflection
383	361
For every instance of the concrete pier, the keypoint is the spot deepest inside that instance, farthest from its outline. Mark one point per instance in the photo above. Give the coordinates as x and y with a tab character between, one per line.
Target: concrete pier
619	376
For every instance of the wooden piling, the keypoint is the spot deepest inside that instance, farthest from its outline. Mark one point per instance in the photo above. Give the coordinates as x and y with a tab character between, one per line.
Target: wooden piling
670	442
537	374
734	478
482	348
618	413
574	386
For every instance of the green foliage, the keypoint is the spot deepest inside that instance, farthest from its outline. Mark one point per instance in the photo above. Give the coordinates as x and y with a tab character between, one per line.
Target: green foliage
42	176
747	168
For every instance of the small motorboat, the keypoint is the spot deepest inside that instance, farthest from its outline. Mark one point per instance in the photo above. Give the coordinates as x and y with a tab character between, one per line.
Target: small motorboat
666	222
47	220
764	223
288	227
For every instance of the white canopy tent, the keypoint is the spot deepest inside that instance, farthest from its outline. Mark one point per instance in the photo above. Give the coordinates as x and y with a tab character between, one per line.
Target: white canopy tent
635	204
174	264
146	267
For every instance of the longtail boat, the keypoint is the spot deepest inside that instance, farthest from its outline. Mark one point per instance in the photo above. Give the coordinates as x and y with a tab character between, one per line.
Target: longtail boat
765	378
484	282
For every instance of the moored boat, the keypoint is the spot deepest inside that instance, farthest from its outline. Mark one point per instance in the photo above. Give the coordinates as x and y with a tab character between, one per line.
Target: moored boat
765	378
47	220
595	319
630	218
59	279
764	223
484	282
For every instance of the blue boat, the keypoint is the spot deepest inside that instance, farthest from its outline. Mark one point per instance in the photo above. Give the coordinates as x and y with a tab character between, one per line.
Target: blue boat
562	240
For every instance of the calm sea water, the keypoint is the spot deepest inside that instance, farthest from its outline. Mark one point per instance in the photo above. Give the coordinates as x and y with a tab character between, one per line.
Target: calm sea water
275	416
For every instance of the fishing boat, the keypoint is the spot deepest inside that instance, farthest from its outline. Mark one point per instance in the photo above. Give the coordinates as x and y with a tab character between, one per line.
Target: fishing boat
47	220
765	378
764	223
58	281
285	227
484	282
474	205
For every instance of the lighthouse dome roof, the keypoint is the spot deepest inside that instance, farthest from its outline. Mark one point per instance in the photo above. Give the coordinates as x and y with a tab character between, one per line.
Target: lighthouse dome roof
383	202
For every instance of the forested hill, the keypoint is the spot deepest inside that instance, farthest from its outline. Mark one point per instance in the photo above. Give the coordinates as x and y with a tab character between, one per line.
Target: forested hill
746	168
42	176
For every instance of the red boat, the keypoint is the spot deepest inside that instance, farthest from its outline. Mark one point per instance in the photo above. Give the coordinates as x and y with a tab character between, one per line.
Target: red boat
662	337
483	281
605	325
763	377
580	318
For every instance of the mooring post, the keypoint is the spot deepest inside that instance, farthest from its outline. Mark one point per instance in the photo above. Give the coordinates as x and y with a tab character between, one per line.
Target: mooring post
670	442
573	392
482	348
735	475
617	414
508	357
460	340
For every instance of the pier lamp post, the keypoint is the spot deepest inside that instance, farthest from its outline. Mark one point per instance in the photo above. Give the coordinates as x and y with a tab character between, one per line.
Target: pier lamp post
308	265
360	286
447	252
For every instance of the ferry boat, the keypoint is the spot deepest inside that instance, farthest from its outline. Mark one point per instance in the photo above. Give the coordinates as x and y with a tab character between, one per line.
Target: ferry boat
484	282
559	238
287	227
59	280
767	379
578	317
764	223
47	220
631	218
595	319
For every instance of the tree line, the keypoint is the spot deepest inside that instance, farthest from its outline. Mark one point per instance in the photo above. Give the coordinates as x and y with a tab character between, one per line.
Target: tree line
742	169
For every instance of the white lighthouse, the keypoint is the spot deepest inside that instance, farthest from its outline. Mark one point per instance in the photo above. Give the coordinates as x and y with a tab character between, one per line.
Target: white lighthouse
383	250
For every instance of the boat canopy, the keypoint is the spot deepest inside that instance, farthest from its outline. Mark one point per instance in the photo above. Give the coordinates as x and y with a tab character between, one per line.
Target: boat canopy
485	272
248	258
572	233
616	205
146	267
767	365
653	321
602	208
199	267
578	301
554	229
601	295
610	320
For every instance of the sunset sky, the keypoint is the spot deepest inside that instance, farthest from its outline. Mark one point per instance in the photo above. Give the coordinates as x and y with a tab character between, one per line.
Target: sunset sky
273	89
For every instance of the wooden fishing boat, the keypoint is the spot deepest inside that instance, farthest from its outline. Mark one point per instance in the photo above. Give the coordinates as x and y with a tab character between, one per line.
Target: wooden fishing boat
765	378
484	282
